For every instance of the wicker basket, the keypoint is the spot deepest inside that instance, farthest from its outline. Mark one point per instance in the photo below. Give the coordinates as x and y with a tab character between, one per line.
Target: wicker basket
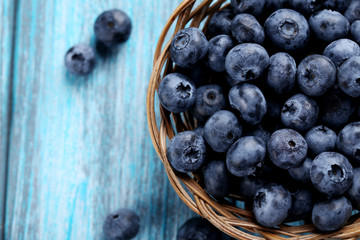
236	222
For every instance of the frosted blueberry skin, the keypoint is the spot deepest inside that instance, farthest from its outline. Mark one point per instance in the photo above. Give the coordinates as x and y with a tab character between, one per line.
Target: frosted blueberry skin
337	5
254	7
349	77
122	224
245	156
80	60
249	101
176	93
302	173
112	27
348	141
246	61
352	13
245	28
287	148
341	50
306	7
287	29
281	73
328	25
299	112
220	23
272	204
355	31
332	214
221	130
302	204
248	186
320	139
188	47
331	174
316	74
216	179
198	228
186	152
354	191
219	47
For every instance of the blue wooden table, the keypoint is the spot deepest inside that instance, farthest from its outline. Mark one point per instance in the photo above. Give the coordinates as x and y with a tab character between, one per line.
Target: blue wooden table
74	149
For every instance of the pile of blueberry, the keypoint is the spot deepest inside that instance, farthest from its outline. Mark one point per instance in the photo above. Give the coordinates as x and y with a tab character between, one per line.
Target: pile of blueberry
274	87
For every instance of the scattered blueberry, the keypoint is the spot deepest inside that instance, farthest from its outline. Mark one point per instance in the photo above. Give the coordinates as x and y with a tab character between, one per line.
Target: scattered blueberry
348	141
254	7
341	50
198	228
186	151
245	28
302	173
306	7
249	185
355	31
122	224
219	47
354	191
216	179
302	204
349	77
222	129
320	139
337	5
332	214
352	13
220	23
80	60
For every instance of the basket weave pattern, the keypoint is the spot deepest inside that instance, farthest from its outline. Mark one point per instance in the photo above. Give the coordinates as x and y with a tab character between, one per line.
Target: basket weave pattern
236	222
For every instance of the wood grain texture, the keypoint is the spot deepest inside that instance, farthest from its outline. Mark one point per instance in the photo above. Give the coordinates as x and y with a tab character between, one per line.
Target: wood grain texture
79	147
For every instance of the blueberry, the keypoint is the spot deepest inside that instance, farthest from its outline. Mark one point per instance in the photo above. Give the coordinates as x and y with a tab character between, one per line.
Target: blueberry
299	112
348	141
302	173
273	5
221	130
337	5
254	7
331	174
332	214
245	155
272	204
209	99
219	47
112	27
287	148
245	28
198	229
355	31
216	179
316	74
281	73
248	186
258	131
249	101
199	73
122	224
199	131
349	77
302	204
188	47
354	191
176	93
186	152
340	50
220	23
246	61
306	7
287	29
80	60
328	25
320	139
352	13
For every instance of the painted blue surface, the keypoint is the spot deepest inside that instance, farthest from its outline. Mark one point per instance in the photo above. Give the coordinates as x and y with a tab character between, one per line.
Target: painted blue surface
79	147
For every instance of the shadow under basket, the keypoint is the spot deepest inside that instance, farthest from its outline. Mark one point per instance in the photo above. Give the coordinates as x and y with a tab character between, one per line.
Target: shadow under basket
235	221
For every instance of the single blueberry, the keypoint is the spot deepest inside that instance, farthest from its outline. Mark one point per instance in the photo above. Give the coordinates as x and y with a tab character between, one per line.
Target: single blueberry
112	27
302	204
349	77
122	224
198	228
221	130
302	173
355	31
249	101
199	131
331	173
188	47
186	151
80	60
219	47
348	141
287	29
316	74
299	112
246	61
176	93
208	100
281	73
287	148
332	214
328	25
216	179
272	204
320	139
258	131
341	50
337	5
245	28
248	186
245	155
220	23
352	13
354	191
254	7
306	7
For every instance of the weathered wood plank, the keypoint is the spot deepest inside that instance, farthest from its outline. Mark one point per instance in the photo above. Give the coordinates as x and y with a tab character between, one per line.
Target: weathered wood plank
80	147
